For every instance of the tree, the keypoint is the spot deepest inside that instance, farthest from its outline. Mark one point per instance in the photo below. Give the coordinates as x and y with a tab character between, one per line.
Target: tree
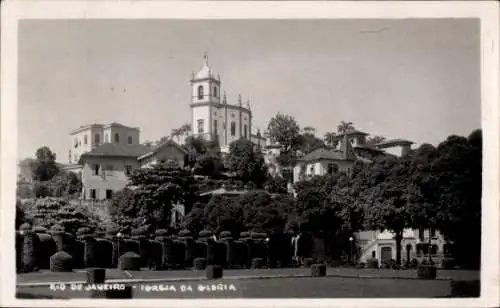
309	143
375	140
385	201
157	190
309	130
246	163
224	213
44	167
284	130
345	127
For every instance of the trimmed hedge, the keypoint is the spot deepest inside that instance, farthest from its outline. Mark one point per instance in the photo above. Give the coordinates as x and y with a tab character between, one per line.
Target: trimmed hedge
241	253
25	227
211	252
161	232
90	251
199	263
205	234
104	253
318	270
425	271
61	261
40	229
30	251
130	261
214	272
47	247
78	251
225	235
19	251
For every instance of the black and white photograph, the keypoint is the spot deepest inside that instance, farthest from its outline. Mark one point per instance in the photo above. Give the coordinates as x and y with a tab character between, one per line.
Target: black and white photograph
209	154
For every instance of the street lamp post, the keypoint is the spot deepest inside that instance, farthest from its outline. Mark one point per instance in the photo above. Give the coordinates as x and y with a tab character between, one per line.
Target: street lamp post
118	235
351	239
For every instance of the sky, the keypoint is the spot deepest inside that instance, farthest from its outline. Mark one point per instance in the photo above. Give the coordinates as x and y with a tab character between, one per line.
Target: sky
408	78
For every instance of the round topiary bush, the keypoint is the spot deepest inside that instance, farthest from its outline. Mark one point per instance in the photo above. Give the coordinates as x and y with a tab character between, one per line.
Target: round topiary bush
199	263
372	263
129	261
205	234
257	263
318	270
25	227
61	261
448	263
185	233
425	271
40	229
225	235
47	247
308	262
57	227
161	232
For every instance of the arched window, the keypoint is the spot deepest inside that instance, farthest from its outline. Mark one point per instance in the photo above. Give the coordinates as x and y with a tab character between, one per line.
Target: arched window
97	139
215	128
215	91
245	130
117	137
200	126
85	139
200	92
129	139
233	129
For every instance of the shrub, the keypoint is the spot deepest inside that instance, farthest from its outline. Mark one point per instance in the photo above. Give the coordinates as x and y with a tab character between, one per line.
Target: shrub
372	263
318	270
225	235
214	272
60	239
211	252
426	271
40	229
30	251
448	263
184	233
25	227
90	253
244	235
156	251
161	232
470	288
241	253
205	234
19	252
104	253
257	263
47	247
61	261
129	261
220	253
199	263
308	262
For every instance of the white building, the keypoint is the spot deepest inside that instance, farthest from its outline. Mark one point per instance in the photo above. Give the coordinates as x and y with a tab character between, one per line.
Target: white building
212	117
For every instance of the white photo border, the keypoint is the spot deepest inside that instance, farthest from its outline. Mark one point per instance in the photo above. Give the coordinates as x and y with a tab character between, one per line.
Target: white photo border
486	11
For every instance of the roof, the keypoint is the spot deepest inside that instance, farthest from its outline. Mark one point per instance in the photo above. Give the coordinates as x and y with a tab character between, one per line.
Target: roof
157	148
323	153
118	150
394	142
205	71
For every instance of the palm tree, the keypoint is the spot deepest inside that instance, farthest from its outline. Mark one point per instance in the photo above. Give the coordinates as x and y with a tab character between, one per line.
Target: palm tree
345	127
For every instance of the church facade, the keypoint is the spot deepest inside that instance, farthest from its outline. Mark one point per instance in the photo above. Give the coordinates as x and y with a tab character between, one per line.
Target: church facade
212	117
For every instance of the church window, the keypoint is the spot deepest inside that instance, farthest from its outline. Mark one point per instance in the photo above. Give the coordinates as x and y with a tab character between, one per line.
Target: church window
106	137
200	126
117	137
215	91
85	139
76	143
129	139
200	92
215	127
233	128
245	130
97	139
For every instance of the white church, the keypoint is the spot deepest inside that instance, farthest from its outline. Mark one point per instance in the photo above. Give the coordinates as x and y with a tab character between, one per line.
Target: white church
213	118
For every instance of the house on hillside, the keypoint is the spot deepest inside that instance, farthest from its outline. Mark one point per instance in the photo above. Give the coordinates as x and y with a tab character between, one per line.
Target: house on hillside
105	169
